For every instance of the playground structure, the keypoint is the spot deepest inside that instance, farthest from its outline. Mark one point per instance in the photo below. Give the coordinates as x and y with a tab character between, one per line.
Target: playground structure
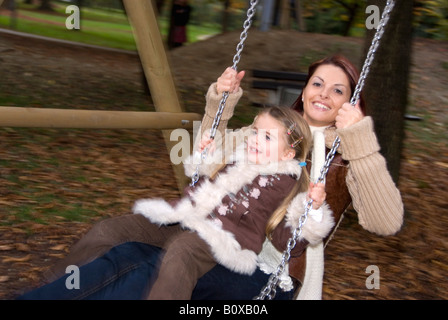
169	112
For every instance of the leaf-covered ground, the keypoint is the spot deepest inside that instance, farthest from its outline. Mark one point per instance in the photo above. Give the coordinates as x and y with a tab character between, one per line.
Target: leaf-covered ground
55	183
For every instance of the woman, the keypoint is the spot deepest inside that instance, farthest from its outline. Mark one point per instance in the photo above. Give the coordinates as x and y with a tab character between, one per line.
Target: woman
358	173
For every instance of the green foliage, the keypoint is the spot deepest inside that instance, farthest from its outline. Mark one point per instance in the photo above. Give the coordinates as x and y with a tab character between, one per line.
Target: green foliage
431	19
333	17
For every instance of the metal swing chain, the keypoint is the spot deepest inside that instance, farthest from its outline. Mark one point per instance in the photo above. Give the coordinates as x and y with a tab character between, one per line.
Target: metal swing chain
236	59
269	290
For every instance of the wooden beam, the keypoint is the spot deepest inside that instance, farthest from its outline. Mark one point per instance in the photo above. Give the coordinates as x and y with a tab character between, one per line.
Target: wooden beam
155	65
95	119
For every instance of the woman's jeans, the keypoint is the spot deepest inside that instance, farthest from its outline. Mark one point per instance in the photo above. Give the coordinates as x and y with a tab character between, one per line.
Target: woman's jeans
128	271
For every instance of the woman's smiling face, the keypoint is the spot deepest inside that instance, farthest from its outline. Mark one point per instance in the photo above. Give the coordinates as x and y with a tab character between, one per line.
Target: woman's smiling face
327	89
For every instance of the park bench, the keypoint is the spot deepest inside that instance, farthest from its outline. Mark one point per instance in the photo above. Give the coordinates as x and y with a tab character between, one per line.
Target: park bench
283	87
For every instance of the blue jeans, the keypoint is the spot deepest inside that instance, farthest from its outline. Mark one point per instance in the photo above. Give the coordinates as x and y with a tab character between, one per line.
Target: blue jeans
124	273
127	272
221	283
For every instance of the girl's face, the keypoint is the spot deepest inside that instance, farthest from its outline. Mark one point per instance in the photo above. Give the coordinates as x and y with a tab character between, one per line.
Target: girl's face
323	96
267	142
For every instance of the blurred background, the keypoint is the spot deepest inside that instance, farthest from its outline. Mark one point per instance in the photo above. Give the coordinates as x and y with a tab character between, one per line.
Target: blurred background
105	23
55	183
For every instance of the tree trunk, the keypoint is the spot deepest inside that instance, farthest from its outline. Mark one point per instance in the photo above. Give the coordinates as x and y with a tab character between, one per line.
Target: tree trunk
285	12
159	5
386	87
45	5
299	15
225	16
352	11
169	39
80	4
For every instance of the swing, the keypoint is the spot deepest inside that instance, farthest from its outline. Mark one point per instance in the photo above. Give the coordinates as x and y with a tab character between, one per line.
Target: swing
269	290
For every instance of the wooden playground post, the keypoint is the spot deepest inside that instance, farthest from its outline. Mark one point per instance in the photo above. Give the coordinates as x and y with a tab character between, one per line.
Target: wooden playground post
155	65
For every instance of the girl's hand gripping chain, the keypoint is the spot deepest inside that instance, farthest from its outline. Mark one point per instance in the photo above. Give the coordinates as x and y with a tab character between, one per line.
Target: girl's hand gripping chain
207	143
317	192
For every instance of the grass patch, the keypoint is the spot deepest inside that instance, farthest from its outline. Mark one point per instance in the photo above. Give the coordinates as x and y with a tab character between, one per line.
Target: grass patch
94	33
108	28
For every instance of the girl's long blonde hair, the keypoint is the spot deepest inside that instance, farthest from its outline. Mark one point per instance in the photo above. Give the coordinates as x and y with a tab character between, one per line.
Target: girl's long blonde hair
298	137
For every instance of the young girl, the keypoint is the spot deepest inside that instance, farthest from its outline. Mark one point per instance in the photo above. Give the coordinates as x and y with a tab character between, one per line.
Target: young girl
226	217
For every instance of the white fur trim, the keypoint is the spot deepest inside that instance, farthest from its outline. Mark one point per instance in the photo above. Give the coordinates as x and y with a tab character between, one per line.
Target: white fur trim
226	250
157	210
269	259
313	231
